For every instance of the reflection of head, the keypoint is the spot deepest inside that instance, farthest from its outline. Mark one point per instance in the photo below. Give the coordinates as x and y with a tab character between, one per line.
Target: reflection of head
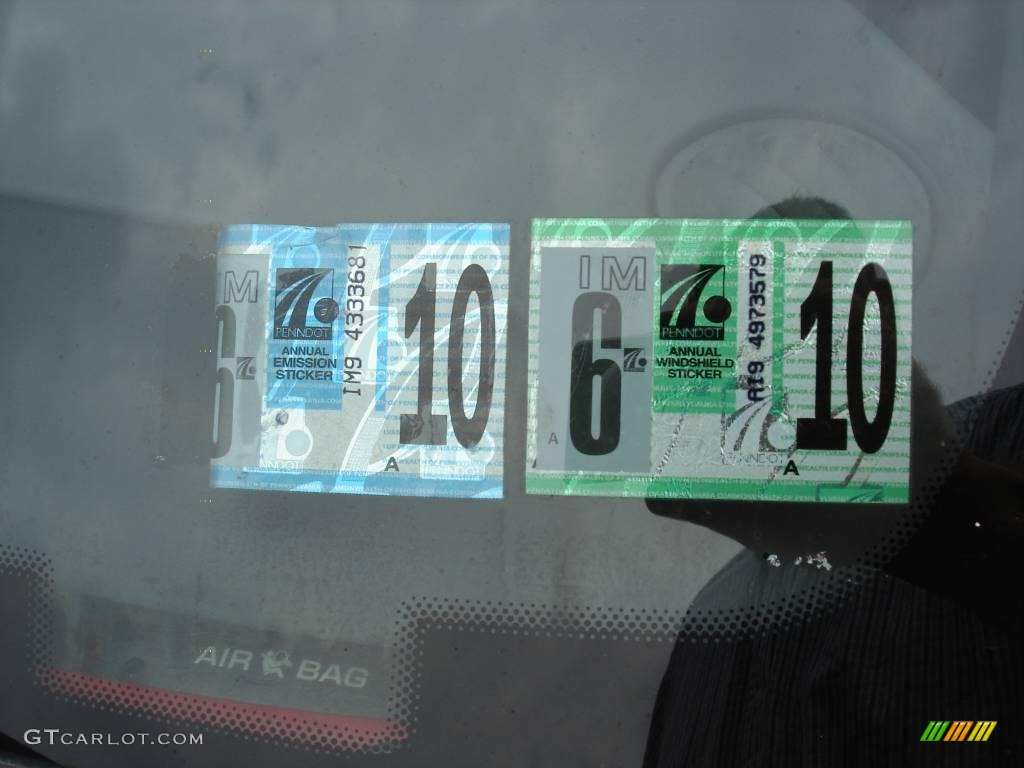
797	207
844	530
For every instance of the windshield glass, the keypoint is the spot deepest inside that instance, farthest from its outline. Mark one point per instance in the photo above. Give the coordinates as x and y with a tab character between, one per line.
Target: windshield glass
436	383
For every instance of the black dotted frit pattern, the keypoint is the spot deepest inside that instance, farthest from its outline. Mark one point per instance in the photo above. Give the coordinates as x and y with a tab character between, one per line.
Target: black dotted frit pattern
426	614
308	732
311	732
420	616
37	572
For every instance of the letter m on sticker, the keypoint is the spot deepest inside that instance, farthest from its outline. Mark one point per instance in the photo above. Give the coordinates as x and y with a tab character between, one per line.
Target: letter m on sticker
238	291
632	276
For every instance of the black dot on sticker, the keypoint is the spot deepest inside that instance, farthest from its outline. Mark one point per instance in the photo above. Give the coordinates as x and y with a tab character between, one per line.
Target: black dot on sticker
326	310
717	309
643	362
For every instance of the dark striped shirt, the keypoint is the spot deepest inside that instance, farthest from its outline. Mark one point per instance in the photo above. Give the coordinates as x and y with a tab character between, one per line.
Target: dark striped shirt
934	634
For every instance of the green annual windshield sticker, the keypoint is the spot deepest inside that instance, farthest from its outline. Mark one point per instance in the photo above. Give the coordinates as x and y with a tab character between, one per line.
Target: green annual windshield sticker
720	359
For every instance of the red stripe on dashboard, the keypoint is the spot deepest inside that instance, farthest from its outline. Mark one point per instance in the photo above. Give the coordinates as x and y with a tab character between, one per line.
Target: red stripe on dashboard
318	728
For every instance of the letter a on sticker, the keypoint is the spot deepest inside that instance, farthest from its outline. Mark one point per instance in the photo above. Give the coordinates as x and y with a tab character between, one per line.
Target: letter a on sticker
791	468
553	439
392	464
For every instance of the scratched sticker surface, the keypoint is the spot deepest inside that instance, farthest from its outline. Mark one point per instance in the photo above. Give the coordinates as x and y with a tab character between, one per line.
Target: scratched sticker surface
361	358
720	359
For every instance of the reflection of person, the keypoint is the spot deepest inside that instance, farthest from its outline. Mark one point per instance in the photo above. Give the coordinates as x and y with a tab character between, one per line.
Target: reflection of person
933	633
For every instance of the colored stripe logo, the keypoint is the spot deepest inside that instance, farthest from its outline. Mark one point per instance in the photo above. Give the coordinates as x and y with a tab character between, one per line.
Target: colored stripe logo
958	730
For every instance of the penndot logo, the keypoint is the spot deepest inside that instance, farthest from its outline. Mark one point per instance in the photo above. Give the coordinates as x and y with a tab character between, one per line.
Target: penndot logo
633	359
692	302
304	304
245	368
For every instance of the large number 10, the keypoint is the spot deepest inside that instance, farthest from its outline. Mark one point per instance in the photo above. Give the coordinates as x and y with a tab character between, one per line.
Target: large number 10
823	432
425	427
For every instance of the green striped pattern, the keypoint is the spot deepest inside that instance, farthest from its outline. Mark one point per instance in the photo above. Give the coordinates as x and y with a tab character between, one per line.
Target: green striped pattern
935	731
690	454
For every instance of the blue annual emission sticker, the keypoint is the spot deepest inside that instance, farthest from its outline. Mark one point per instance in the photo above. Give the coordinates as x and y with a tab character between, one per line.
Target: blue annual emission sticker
361	358
304	352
